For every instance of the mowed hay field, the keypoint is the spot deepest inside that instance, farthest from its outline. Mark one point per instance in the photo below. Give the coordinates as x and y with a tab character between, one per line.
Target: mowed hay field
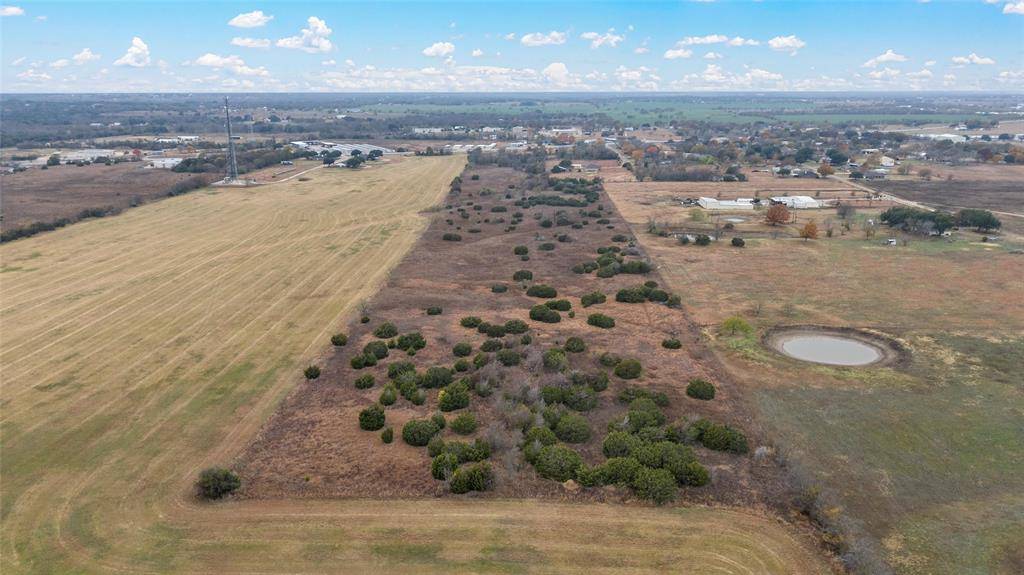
140	348
927	456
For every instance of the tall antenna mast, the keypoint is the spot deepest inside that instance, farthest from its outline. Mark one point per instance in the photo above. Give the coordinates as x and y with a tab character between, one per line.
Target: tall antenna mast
232	174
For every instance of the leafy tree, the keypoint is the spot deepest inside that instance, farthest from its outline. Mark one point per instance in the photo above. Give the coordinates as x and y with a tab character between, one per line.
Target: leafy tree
777	214
216	482
809	231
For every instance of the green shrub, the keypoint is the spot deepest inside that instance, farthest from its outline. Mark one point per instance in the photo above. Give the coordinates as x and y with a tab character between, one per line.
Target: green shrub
700	389
399	367
411	341
632	393
573	428
371	418
461	365
600	320
364	319
464	424
559	304
462	349
450	237
542	291
558	462
526	340
443	466
609	359
389	395
339	339
386	330
671	343
690	473
635	267
435	446
493	330
632	295
736	325
439	420
364	381
470	321
546	247
434	310
454	396
435	377
516	326
575	345
480	360
522	275
417	432
216	482
378	349
311	372
718	437
544	314
657	485
492	345
388	435
473	477
520	250
628	369
593	298
554	359
702	240
620	444
499	288
619	471
580	398
738	242
509	357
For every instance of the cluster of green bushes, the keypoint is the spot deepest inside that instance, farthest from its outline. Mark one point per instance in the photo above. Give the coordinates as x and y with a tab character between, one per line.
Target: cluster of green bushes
671	343
544	314
451	237
216	482
700	389
522	275
461	464
642	293
593	298
717	436
339	340
559	304
542	291
600	320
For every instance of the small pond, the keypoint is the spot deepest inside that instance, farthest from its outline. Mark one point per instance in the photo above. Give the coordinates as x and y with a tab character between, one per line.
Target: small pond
829	349
735	220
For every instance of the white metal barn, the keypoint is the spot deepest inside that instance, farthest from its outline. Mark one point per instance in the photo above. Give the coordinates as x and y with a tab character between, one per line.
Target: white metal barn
797	202
716	204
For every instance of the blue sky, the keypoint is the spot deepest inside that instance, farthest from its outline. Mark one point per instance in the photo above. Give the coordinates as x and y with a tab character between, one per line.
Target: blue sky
739	45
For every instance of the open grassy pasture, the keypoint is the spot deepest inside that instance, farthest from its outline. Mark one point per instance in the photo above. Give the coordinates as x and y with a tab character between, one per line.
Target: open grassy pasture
929	456
140	348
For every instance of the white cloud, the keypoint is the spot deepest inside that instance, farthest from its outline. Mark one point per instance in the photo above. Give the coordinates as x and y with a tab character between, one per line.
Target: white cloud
887	56
510	36
62	63
233	63
314	39
741	41
137	55
609	38
712	56
883	74
641	50
1014	8
85	56
439	49
709	39
677	53
715	77
921	74
972	59
328	63
12	11
19	61
557	73
41	18
250	42
253	19
477	52
535	39
786	44
32	76
949	80
350	62
929	63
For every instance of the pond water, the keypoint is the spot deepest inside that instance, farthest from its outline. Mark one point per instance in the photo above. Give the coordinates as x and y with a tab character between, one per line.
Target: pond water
830	349
735	220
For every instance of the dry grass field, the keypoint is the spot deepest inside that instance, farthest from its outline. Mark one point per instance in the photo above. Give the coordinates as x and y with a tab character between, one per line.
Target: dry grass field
140	348
927	456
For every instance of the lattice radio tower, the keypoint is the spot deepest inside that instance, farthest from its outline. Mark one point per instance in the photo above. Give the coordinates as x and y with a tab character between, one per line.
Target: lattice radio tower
232	174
